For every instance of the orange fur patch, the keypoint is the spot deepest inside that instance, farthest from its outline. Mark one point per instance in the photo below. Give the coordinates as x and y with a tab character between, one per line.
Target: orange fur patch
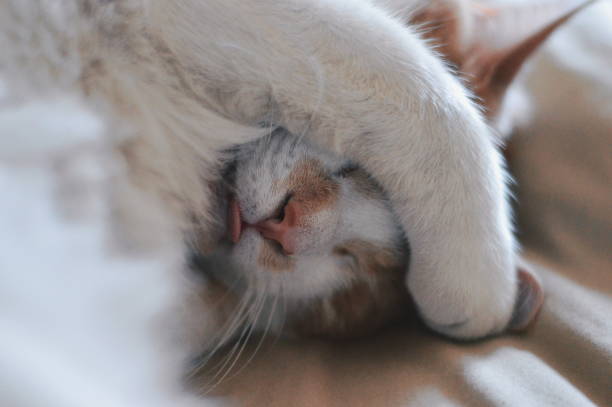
440	24
357	311
312	187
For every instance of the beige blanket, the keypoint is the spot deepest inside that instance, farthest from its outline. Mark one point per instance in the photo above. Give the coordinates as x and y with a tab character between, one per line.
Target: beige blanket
563	164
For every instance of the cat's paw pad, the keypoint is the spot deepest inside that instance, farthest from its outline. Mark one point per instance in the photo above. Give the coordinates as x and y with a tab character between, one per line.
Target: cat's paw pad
530	298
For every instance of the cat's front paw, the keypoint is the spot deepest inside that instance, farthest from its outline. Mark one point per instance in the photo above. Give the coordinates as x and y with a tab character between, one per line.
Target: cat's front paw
476	309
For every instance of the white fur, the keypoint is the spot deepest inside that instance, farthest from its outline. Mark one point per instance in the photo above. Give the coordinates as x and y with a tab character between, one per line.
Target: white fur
366	219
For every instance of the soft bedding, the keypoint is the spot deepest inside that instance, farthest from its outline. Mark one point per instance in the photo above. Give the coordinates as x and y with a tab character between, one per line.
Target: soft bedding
562	161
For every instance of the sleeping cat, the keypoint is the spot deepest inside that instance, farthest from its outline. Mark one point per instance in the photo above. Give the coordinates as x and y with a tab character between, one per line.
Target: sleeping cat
322	292
352	78
175	83
308	229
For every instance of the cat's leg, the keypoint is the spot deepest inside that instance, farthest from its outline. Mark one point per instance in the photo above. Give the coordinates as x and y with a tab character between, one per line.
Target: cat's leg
372	84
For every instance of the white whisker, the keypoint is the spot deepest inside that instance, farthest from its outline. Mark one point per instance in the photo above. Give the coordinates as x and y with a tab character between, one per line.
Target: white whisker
240	344
233	325
261	339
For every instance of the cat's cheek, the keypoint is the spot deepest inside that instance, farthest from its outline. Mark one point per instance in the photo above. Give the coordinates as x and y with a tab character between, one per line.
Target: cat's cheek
319	234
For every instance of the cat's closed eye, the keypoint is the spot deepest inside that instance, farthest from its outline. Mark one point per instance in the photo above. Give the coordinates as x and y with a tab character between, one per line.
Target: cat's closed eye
347	168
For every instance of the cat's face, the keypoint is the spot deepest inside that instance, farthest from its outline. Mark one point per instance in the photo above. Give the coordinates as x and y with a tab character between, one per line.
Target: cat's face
303	223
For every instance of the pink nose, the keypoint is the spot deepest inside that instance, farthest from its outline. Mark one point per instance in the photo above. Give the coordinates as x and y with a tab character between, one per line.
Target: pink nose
281	231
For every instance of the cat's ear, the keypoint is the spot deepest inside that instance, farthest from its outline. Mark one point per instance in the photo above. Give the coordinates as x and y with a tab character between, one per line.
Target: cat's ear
530	298
489	45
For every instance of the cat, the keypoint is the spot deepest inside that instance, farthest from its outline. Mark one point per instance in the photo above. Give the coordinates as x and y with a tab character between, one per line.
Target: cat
369	87
366	87
175	83
338	303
